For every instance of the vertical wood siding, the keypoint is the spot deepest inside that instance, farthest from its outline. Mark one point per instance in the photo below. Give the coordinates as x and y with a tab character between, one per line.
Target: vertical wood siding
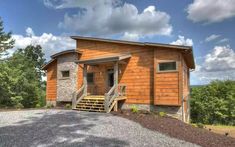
51	82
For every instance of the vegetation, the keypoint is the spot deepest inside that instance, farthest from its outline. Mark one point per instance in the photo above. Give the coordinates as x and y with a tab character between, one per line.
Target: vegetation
21	84
134	109
162	113
6	42
214	103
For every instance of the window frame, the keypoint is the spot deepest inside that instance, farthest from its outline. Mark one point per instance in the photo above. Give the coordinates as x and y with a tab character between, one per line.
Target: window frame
61	72
167	61
93	78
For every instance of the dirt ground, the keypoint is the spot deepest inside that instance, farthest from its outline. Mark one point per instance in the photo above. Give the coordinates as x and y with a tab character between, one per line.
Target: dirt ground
177	129
222	129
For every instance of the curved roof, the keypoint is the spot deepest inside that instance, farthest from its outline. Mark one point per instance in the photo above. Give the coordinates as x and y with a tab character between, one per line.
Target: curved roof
65	52
56	55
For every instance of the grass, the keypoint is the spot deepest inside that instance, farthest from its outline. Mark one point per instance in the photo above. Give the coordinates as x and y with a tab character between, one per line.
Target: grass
221	129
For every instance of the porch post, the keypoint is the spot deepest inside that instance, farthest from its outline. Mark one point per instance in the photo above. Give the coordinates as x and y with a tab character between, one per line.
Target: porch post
116	77
85	79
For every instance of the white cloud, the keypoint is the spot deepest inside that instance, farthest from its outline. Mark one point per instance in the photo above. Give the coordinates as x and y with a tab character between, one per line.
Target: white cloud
29	32
112	17
51	44
223	40
211	11
218	64
182	41
130	37
211	37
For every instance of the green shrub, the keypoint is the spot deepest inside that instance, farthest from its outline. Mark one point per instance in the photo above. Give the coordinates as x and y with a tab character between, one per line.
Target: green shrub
19	106
38	106
194	125
162	114
200	125
49	106
134	109
68	106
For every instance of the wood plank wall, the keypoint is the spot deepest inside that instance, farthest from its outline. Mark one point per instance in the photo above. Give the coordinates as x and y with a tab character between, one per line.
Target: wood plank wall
167	84
139	69
51	82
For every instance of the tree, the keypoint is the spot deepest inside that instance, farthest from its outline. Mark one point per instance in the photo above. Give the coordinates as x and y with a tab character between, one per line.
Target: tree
35	54
20	84
214	103
6	42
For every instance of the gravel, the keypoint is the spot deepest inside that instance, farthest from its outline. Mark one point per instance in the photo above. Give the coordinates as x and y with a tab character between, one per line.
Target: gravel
72	128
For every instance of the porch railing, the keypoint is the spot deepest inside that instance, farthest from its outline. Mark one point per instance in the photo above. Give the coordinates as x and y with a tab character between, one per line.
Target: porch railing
78	96
114	92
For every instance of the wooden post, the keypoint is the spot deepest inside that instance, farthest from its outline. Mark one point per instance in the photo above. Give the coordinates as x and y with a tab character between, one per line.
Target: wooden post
85	79
116	77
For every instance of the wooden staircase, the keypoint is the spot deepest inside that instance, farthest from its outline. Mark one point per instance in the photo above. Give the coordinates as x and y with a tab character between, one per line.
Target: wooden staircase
92	103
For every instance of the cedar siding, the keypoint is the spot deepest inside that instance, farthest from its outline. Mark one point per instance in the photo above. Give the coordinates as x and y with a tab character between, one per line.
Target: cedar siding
137	74
51	82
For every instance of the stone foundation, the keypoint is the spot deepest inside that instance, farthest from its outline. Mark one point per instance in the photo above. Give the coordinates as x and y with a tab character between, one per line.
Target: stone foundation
173	111
49	103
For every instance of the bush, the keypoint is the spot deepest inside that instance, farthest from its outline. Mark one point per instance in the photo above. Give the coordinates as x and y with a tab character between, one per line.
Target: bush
49	106
68	106
200	125
162	114
134	109
38	106
19	106
214	103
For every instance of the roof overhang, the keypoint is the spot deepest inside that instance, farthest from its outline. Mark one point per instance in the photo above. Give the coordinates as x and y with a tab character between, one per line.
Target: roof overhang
104	59
65	52
187	50
56	55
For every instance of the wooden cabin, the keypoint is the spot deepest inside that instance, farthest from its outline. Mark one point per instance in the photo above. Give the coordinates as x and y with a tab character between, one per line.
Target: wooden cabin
105	75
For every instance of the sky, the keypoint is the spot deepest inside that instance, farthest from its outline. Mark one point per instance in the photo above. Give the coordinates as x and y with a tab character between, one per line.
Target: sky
208	26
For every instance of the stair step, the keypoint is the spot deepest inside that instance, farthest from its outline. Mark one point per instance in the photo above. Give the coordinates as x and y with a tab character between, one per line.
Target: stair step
90	104
90	110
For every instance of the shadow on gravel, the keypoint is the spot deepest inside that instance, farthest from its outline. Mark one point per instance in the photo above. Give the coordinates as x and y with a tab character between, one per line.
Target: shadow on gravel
66	128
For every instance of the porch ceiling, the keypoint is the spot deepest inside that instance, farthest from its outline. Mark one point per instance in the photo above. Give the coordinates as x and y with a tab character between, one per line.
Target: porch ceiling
104	59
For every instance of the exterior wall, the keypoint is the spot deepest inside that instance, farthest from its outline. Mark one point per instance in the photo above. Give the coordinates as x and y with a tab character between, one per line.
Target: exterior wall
186	91
173	111
51	82
167	84
139	69
66	86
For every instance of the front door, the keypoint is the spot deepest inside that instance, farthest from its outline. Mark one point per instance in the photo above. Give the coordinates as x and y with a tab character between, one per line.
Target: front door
110	78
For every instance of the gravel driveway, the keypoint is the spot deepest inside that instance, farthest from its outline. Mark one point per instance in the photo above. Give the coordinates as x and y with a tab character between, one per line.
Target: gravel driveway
72	128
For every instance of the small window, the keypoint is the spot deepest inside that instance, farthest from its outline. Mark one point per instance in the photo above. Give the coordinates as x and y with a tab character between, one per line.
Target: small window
65	74
90	78
167	66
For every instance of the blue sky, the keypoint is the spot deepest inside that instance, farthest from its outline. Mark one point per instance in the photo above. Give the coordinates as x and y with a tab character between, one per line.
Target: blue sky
206	25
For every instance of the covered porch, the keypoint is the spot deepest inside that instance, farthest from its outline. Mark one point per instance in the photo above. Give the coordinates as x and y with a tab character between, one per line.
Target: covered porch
101	87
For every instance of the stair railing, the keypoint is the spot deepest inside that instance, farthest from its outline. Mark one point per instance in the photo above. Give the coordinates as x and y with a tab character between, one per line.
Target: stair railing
78	96
112	95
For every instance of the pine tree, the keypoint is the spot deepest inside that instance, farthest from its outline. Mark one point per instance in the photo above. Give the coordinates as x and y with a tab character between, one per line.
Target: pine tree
6	42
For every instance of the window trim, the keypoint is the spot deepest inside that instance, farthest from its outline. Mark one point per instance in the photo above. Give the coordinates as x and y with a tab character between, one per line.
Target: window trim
91	83
167	61
61	73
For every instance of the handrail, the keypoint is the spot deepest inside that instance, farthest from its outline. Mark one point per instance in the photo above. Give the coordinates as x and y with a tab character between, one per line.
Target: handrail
109	100
111	95
76	99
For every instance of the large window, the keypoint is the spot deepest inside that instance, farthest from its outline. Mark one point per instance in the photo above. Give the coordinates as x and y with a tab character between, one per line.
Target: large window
167	66
65	74
90	78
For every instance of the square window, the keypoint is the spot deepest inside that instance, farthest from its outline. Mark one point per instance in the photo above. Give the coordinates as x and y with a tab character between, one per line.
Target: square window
167	66
65	74
90	78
